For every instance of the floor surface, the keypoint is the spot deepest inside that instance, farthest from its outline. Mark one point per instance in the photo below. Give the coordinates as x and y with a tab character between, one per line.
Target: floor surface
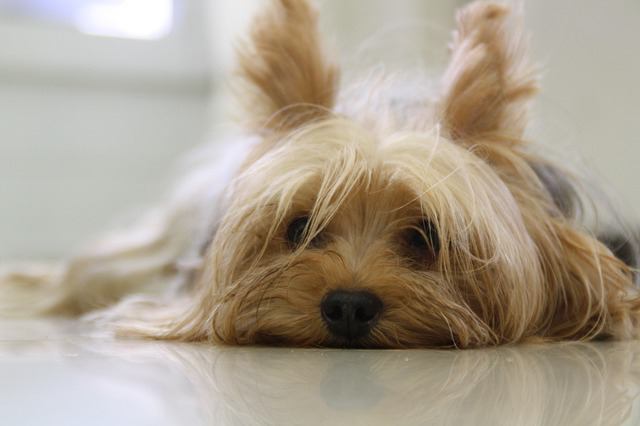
51	373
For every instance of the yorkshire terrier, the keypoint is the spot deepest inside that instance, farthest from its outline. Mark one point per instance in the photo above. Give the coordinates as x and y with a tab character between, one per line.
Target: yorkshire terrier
368	224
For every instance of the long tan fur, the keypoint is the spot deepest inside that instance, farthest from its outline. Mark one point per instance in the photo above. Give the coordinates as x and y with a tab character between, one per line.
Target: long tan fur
513	263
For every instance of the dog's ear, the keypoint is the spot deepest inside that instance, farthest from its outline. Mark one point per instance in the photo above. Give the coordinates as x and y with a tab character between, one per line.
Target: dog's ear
288	79
488	83
591	292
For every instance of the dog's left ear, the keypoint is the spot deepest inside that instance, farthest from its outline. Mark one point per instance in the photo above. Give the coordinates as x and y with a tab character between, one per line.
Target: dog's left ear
488	83
288	79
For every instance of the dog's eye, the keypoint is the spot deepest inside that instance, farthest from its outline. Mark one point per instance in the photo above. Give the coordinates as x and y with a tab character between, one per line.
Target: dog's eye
422	241
296	233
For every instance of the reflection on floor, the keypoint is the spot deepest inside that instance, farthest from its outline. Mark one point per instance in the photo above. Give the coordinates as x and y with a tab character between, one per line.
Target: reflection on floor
52	373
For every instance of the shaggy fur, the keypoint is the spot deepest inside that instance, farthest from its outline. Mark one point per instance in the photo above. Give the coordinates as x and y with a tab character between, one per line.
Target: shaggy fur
445	214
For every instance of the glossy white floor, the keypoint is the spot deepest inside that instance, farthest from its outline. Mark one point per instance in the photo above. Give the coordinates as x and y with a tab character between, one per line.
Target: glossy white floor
52	373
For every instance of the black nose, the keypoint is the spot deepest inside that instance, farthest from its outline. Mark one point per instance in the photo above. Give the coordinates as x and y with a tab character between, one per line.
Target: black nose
350	314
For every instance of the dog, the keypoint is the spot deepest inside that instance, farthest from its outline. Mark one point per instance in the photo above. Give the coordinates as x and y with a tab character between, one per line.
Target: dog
361	222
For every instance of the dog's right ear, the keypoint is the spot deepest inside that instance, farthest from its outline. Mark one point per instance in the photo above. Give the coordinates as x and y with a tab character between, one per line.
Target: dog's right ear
289	82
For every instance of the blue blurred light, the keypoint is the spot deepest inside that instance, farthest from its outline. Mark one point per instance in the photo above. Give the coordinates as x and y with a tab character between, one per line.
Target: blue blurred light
137	19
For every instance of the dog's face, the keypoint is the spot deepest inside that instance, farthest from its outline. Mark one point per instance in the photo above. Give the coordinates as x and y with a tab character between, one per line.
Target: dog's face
433	233
336	237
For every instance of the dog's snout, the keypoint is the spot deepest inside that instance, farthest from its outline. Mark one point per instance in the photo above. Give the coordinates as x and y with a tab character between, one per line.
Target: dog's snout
350	314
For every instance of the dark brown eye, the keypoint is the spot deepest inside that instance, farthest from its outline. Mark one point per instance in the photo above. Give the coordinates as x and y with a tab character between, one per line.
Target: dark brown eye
423	242
297	230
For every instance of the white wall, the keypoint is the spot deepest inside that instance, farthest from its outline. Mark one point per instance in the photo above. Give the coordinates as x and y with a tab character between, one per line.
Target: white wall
590	100
71	159
90	127
78	150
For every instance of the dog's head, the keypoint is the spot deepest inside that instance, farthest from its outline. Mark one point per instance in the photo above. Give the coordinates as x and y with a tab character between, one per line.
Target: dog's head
436	229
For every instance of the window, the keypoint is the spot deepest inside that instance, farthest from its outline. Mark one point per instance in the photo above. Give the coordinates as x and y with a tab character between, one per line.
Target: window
135	19
158	44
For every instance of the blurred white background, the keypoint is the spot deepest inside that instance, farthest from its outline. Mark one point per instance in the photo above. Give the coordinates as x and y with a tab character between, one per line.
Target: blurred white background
99	98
